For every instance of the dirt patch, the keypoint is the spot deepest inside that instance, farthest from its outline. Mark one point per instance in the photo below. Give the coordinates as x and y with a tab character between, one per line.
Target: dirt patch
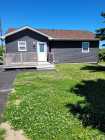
12	134
17	102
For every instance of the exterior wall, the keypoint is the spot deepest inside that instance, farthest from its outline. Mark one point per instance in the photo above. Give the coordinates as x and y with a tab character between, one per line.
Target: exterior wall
71	52
64	51
26	35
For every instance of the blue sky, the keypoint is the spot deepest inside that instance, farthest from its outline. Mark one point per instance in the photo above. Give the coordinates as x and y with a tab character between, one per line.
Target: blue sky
53	14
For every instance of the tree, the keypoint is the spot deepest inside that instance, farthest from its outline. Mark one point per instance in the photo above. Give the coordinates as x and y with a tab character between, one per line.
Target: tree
100	33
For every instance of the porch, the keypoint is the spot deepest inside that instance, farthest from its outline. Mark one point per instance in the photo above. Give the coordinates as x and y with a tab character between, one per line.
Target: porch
27	60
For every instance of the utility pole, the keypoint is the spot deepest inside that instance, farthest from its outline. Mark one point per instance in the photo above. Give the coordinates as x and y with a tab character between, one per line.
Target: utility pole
1	33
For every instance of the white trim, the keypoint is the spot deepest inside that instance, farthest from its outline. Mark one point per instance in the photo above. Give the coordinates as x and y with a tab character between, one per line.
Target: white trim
25	47
85	51
27	27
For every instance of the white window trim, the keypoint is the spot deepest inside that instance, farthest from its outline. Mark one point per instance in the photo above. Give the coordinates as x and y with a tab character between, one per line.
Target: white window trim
22	50
85	51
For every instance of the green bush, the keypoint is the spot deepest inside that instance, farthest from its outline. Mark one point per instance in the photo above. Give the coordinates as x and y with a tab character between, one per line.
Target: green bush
1	51
102	55
1	54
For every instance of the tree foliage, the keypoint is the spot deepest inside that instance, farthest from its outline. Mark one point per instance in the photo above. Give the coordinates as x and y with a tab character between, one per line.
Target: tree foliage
1	51
100	33
102	55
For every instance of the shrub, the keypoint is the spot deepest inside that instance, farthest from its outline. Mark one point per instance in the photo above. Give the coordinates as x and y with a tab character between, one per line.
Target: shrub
102	55
1	51
1	54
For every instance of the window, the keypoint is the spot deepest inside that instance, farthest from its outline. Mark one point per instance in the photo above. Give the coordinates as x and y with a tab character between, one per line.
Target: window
85	47
22	46
41	47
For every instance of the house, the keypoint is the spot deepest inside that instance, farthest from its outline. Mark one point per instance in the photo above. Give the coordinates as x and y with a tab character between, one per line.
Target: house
28	46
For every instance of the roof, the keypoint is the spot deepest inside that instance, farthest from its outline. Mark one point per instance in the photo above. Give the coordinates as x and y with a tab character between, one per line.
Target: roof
69	34
58	34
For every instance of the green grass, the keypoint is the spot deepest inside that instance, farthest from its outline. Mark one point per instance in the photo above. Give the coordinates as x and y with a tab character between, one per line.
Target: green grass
66	104
2	134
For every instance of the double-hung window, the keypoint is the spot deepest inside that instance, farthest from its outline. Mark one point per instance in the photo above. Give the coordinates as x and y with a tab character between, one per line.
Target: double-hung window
22	46
85	47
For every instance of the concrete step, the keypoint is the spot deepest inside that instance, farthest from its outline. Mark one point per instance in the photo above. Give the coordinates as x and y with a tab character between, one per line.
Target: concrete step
46	67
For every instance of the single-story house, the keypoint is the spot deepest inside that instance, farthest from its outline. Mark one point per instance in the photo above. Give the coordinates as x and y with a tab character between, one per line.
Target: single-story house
28	45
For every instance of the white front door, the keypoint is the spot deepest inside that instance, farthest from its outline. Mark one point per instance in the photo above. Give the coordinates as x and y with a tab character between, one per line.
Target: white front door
42	51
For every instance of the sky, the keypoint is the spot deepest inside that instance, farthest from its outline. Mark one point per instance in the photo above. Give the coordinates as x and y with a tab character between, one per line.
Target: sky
52	14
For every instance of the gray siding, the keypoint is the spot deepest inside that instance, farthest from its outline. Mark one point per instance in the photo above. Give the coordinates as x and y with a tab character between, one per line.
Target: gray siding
71	51
74	55
26	35
12	47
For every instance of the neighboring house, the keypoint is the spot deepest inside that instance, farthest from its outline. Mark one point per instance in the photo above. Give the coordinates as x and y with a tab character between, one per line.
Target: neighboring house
28	45
102	44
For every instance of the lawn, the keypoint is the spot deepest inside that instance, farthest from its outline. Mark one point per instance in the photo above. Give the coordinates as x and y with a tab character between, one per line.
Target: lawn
2	134
66	104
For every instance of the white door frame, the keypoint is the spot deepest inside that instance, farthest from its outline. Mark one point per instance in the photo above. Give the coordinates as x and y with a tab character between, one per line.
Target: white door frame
42	54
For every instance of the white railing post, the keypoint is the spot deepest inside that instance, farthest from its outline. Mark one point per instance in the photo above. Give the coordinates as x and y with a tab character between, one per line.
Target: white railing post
21	57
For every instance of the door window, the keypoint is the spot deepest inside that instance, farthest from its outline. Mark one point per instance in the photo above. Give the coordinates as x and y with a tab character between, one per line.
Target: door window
41	47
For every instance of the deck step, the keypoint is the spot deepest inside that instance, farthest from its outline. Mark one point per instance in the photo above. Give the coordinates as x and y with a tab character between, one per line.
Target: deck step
46	67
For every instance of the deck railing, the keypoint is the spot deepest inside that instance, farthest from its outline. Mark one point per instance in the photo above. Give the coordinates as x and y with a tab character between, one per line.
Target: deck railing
20	57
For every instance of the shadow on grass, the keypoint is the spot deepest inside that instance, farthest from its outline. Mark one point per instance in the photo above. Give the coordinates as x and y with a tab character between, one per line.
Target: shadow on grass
90	111
94	68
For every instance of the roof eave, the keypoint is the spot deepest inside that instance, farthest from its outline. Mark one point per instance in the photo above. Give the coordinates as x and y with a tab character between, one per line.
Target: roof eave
67	39
27	27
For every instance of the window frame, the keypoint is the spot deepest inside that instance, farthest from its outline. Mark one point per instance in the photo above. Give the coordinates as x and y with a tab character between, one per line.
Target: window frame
88	49
19	46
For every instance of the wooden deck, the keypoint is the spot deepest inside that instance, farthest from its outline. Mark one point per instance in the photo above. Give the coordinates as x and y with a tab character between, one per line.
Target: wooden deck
26	60
36	65
18	58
